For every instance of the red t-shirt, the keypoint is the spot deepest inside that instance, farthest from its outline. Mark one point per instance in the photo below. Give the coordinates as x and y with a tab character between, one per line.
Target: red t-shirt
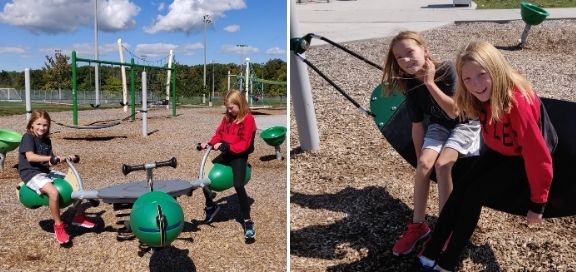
238	136
518	134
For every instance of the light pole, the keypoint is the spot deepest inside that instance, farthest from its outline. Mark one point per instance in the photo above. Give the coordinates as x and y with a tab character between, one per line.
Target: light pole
212	82
97	65
241	63
206	19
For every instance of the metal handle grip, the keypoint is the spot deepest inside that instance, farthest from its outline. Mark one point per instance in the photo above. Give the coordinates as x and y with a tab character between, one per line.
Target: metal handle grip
126	169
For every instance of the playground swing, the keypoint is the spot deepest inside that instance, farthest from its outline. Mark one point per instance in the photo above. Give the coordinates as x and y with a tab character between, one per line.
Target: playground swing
98	124
156	84
391	117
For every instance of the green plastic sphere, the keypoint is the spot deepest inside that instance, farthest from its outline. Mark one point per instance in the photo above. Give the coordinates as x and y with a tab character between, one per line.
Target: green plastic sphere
30	199
532	14
144	219
9	140
274	136
222	178
152	197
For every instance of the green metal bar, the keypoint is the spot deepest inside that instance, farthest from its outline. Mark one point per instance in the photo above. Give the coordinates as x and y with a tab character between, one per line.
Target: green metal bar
174	91
132	90
74	91
121	63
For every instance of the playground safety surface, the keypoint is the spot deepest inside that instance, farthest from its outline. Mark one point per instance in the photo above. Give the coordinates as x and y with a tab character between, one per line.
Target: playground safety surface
353	198
26	237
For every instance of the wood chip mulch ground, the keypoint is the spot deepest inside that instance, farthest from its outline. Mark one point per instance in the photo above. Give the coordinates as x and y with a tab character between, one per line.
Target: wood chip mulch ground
351	199
26	236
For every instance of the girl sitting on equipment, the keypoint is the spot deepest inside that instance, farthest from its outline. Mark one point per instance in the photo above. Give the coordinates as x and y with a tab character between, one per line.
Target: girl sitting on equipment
428	87
34	161
517	161
235	138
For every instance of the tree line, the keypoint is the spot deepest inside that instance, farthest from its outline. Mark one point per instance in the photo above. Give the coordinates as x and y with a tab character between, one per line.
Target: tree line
56	74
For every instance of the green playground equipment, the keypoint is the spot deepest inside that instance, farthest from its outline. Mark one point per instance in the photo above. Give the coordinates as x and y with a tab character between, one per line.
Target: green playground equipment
274	136
384	107
132	66
532	15
30	199
9	140
222	178
156	219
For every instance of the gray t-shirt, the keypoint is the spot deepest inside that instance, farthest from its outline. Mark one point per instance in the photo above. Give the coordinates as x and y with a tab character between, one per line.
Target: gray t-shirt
420	102
40	146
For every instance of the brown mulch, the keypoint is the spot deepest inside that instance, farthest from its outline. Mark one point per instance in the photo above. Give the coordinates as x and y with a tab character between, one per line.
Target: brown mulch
351	199
26	237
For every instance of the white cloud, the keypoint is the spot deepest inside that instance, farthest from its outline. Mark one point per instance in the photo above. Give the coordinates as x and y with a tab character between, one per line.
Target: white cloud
85	50
232	28
154	50
161	6
57	16
190	49
239	50
276	51
115	15
12	50
187	15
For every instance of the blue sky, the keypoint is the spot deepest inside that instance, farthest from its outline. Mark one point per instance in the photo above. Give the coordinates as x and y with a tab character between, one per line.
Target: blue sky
32	29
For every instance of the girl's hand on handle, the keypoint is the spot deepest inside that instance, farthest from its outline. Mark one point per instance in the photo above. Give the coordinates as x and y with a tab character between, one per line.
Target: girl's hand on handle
217	145
201	146
54	160
534	218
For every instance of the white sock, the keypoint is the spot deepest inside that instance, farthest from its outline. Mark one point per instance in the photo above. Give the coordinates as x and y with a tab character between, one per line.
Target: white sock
424	261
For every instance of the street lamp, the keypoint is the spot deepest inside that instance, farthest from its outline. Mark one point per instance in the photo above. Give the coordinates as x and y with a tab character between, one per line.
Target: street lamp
206	19
212	82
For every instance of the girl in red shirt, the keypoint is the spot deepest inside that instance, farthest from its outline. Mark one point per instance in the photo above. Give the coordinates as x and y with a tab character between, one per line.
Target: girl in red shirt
517	161
234	137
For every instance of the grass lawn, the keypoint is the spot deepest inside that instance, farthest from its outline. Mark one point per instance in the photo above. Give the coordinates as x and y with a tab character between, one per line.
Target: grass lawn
505	4
13	108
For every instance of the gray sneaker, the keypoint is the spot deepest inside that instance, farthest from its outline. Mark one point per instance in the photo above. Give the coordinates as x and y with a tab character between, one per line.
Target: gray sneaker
211	212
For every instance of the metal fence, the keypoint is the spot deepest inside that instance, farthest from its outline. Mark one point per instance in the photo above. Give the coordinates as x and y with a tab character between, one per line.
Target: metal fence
115	99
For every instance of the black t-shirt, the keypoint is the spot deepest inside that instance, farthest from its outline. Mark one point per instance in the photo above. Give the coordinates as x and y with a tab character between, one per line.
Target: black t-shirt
420	102
40	146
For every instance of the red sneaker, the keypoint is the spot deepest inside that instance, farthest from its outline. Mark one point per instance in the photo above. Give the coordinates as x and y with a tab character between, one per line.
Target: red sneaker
61	234
83	221
413	234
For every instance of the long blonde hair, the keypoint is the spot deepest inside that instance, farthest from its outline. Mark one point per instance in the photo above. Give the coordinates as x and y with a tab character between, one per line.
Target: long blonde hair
235	97
39	114
504	80
393	77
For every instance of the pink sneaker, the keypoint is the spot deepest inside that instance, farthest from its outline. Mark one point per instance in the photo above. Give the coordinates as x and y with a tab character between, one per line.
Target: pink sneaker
413	234
61	234
83	221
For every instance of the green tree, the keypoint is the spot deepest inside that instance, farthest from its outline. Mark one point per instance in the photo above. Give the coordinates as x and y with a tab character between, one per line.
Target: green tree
56	72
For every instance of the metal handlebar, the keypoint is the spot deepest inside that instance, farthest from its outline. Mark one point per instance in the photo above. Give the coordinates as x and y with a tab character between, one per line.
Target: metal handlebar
126	169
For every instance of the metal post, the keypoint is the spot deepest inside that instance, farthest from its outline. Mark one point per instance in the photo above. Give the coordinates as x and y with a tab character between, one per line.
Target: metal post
206	20
144	105
302	96
74	91
174	92
168	77
27	93
123	71
247	75
96	77
228	80
212	97
132	90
